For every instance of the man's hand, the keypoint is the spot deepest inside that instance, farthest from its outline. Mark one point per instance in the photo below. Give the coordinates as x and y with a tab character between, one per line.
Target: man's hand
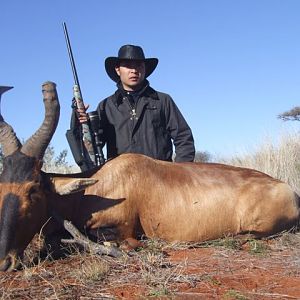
82	115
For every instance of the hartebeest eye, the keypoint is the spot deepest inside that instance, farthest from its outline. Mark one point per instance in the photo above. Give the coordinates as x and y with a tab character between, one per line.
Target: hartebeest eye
33	190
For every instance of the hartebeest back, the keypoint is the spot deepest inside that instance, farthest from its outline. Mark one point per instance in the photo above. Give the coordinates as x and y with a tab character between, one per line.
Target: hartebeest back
133	194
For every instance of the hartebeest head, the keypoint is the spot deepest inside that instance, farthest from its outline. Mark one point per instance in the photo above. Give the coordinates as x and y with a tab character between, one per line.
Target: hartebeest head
24	189
21	197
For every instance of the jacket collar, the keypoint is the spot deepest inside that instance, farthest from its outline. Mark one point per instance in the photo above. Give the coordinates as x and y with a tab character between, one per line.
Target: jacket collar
145	91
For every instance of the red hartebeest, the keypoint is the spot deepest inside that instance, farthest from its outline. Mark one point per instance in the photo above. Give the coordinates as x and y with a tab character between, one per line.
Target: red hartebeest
133	193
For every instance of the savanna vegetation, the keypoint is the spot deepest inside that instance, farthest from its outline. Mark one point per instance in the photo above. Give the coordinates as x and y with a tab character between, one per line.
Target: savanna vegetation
280	159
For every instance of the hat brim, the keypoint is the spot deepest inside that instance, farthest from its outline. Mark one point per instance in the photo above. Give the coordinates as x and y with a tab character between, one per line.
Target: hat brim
112	62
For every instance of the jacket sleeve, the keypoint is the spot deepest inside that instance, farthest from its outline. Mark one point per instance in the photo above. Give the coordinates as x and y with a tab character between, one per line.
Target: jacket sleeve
103	121
180	132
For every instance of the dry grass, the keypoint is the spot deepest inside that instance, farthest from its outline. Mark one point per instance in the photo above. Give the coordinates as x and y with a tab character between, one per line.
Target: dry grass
59	279
281	161
149	271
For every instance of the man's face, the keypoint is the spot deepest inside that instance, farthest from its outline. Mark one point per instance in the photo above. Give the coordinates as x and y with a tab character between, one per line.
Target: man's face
132	74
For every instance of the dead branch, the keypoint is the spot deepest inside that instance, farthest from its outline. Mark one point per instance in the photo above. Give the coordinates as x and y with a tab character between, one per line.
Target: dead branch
86	243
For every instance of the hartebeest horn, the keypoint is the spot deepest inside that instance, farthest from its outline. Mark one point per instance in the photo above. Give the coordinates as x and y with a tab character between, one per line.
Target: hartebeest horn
36	145
8	138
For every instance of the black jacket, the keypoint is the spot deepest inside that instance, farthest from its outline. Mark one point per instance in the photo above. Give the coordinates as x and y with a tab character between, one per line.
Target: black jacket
148	126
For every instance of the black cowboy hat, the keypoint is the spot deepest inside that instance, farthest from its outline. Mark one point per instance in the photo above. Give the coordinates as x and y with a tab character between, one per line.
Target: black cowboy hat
129	52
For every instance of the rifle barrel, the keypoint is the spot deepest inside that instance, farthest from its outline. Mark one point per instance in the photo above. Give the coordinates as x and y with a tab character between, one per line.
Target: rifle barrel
71	55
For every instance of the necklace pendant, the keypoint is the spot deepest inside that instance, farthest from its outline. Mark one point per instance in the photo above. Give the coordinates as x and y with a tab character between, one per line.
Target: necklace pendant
133	113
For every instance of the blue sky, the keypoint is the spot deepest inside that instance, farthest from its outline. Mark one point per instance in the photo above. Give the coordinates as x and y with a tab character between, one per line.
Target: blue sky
231	66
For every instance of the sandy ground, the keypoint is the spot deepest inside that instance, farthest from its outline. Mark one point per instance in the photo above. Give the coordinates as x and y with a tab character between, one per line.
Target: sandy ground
225	269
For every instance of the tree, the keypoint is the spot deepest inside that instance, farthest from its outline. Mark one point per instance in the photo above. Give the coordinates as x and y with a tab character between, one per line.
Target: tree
202	156
57	164
60	160
291	115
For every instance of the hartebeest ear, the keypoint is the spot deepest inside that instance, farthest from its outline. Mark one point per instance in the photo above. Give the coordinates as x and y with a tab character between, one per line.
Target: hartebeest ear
65	186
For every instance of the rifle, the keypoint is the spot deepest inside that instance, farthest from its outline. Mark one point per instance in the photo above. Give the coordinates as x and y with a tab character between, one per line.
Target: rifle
89	154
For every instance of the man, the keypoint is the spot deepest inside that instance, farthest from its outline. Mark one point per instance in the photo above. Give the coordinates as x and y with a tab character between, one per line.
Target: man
138	119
